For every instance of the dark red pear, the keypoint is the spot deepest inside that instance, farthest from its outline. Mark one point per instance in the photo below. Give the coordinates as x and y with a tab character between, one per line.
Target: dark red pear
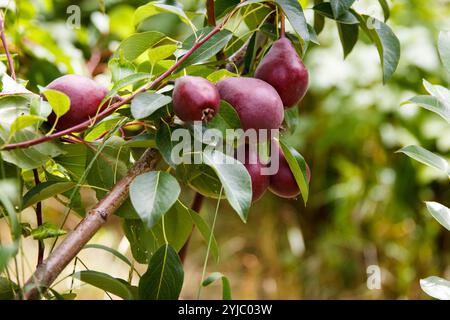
195	99
257	103
283	183
85	97
282	68
252	163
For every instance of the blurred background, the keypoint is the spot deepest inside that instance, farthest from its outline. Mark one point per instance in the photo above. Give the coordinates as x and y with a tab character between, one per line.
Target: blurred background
366	201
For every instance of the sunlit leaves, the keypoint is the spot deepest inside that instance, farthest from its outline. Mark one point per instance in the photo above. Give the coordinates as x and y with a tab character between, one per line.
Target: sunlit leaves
105	282
386	42
164	277
426	157
226	287
154	8
44	191
133	46
46	230
436	287
294	13
152	195
442	108
297	165
235	180
440	212
146	103
207	50
444	48
59	101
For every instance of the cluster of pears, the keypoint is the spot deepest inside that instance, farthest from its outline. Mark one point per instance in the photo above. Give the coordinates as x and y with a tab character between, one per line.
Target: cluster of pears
280	82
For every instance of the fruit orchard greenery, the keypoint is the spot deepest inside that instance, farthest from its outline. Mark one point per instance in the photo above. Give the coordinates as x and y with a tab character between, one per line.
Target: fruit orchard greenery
438	101
52	143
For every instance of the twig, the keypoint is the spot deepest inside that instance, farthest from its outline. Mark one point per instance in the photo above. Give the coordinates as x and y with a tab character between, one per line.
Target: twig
49	270
41	247
211	16
196	206
5	45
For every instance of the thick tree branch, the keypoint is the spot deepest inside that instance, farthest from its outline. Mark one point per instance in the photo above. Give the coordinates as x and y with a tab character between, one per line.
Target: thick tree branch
49	270
5	45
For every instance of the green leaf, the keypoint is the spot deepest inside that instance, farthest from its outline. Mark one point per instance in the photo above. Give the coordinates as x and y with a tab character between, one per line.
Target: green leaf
154	8
294	13
160	53
386	41
444	48
105	282
235	179
426	157
436	287
164	142
143	242
136	44
205	231
440	212
145	140
218	75
226	288
109	166
348	33
127	81
115	253
433	104
164	277
8	289
120	69
319	20
59	101
25	121
44	191
386	11
207	50
201	178
152	194
297	164
222	7
73	159
340	7
29	158
47	230
6	253
227	118
325	10
146	103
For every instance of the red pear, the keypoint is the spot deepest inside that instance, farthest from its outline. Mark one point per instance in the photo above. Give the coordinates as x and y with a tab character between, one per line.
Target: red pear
282	68
85	97
195	99
257	103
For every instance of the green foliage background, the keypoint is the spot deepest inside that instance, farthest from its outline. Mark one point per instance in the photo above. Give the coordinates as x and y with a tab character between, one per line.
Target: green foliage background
366	201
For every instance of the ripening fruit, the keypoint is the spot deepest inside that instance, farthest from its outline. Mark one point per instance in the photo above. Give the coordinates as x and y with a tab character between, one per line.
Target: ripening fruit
282	68
85	97
260	182
195	99
283	183
257	103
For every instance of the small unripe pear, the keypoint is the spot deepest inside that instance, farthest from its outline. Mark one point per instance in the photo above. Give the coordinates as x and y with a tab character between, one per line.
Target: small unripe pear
282	68
283	183
252	163
257	103
85	97
195	99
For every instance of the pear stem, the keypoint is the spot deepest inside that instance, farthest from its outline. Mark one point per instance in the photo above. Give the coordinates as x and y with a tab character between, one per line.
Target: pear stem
283	26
